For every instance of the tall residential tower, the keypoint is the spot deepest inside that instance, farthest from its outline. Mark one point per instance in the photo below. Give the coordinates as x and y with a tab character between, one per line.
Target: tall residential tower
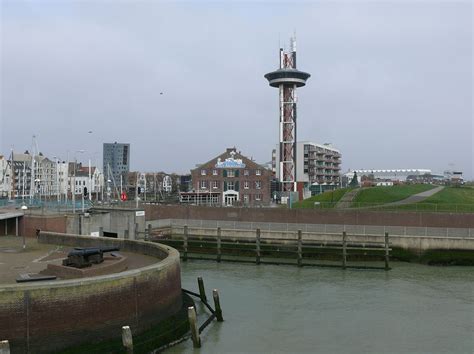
287	78
116	159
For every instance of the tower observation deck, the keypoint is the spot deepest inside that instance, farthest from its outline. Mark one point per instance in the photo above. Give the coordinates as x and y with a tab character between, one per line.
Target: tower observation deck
287	78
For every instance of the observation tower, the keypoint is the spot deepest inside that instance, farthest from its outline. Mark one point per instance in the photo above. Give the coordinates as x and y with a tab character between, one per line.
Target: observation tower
287	78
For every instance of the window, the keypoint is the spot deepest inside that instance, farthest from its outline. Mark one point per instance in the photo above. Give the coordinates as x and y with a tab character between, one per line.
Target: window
203	184
230	185
215	184
246	184
246	198
203	172
258	172
258	197
246	172
258	184
214	172
230	173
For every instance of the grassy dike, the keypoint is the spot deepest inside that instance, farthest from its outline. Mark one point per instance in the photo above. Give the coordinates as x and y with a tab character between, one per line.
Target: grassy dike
169	330
388	194
327	199
450	199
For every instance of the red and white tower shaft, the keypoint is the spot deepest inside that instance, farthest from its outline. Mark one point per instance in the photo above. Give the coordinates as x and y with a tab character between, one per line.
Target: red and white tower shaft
287	78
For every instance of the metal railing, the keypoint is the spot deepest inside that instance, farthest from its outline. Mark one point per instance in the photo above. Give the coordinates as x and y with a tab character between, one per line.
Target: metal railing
417	207
52	205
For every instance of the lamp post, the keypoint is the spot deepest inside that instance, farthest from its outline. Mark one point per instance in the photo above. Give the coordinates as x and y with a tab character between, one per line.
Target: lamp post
37	186
73	187
57	180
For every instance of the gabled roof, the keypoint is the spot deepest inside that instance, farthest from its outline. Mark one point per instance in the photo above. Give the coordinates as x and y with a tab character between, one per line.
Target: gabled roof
230	154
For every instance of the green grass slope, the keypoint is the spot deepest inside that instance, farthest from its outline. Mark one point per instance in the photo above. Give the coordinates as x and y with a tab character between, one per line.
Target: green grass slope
327	199
380	195
450	199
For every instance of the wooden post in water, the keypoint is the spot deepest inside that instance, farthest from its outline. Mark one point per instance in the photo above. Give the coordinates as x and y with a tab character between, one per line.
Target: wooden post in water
217	305
202	291
300	249
257	245
148	233
4	347
344	250
386	251
185	243
194	327
219	251
127	339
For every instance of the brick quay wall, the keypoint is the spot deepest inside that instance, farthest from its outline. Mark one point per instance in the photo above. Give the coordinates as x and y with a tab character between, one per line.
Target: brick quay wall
54	315
308	216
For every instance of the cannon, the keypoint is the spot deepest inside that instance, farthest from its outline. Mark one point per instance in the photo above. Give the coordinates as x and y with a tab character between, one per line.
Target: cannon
85	257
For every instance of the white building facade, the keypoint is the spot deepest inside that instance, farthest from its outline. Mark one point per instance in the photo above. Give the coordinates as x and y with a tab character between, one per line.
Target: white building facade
399	175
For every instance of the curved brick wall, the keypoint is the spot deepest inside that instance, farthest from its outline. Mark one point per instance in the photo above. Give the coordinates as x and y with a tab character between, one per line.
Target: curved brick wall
53	315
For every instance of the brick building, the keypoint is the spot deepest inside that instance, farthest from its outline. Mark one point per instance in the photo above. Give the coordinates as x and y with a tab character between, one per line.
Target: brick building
229	179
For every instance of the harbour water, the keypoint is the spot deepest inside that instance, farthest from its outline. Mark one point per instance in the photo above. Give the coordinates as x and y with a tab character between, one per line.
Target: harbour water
271	309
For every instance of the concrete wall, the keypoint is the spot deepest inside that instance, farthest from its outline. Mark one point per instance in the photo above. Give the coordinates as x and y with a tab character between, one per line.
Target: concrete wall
53	315
418	244
308	216
110	220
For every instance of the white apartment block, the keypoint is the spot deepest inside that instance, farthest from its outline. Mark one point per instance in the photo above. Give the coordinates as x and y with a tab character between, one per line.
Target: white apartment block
315	163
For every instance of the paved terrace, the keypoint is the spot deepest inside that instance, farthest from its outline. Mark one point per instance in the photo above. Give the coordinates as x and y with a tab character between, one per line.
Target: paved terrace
14	260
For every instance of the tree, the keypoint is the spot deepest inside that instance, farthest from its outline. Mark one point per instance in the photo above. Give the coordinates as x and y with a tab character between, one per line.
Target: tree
354	182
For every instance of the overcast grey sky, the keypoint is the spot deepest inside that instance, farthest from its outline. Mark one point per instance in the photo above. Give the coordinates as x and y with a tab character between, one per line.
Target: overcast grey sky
391	83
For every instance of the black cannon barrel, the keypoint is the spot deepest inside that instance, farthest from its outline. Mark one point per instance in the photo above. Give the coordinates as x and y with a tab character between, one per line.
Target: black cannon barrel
89	251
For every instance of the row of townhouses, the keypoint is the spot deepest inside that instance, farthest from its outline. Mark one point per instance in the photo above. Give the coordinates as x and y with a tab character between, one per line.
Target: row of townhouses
26	175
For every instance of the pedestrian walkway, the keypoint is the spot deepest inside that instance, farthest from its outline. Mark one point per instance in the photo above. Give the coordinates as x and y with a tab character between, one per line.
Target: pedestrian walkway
346	200
415	198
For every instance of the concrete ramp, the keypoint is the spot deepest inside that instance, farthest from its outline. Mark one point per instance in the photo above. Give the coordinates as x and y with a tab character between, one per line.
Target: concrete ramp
346	200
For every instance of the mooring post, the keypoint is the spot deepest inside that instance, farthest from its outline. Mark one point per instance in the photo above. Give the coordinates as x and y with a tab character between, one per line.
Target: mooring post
386	251
148	234
101	231
185	243
202	291
194	327
300	249
344	250
219	251
4	347
257	245
217	305
127	339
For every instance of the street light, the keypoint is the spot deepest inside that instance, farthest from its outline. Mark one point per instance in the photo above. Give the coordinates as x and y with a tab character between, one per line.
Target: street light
37	187
57	179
